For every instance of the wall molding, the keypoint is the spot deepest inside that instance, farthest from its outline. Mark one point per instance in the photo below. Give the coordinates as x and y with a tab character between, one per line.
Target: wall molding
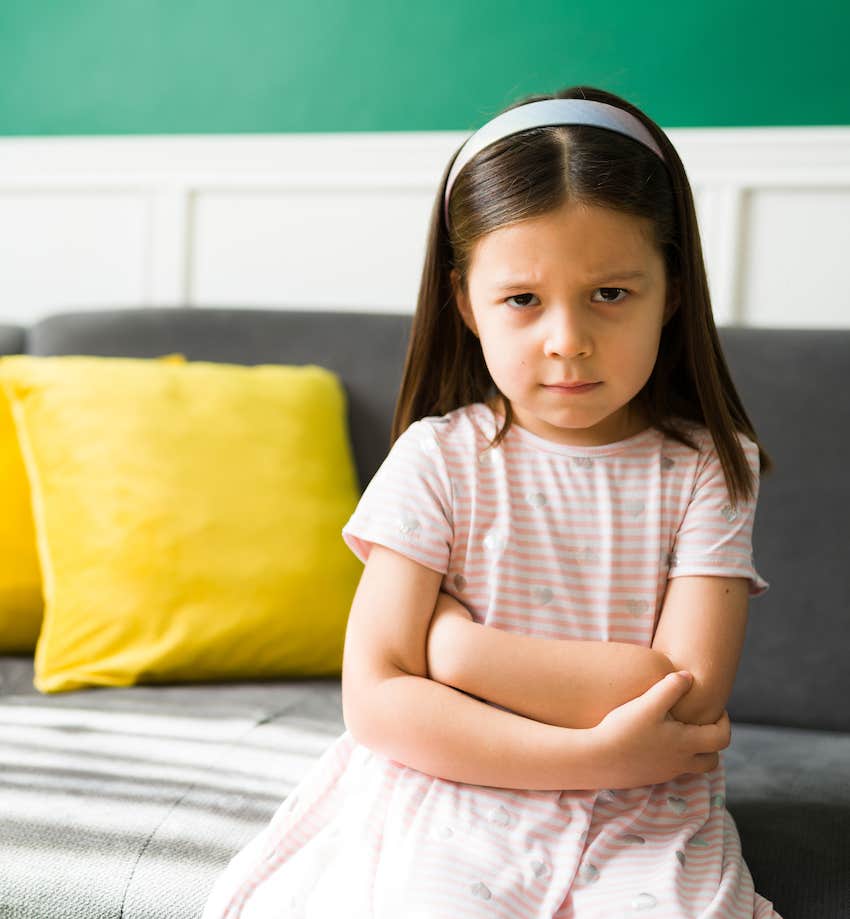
336	221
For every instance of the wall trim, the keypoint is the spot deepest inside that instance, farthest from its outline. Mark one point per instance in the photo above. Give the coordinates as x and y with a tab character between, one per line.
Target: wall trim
173	177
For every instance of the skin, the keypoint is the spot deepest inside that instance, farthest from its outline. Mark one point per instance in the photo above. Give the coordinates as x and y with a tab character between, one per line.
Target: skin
577	318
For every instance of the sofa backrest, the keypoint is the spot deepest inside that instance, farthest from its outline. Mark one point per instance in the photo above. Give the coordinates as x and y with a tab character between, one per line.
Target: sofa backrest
12	339
366	350
794	387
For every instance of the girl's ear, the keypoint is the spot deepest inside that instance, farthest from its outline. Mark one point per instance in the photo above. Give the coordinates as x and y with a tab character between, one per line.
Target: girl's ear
462	301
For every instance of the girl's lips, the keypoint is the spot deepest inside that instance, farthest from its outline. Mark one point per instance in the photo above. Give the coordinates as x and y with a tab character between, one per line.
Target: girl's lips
587	387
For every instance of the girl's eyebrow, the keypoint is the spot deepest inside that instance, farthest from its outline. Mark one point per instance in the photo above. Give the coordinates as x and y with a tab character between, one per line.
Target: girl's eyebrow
514	283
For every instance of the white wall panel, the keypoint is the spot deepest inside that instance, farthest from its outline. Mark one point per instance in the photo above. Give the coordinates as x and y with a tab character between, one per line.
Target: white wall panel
66	249
798	248
339	221
344	249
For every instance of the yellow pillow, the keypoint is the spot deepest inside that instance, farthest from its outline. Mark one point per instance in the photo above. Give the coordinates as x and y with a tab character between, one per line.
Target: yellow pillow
20	576
21	602
188	518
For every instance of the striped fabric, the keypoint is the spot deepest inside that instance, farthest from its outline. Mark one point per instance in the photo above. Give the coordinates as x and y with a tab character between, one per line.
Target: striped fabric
130	801
549	540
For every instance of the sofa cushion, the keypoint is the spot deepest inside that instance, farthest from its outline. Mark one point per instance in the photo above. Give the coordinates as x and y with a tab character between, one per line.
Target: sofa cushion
20	580
793	384
129	801
365	350
188	518
788	790
21	600
21	603
13	338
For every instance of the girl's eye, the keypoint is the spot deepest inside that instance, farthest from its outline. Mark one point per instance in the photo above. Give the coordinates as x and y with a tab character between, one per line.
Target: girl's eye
515	296
622	289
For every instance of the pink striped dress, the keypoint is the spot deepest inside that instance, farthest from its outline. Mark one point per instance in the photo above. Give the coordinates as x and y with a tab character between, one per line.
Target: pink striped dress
543	539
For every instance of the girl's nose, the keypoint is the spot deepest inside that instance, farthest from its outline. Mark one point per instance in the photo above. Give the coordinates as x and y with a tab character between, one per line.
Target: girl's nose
565	333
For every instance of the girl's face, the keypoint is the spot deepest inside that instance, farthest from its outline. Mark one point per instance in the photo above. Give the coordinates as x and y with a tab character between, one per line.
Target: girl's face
554	299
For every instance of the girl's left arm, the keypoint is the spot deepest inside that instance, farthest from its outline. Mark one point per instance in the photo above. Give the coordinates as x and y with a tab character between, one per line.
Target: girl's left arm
702	629
576	683
565	683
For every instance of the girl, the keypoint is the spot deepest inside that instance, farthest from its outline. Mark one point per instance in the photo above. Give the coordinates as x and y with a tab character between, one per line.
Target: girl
541	560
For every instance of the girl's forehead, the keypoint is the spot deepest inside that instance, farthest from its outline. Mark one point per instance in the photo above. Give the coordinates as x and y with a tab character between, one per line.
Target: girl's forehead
572	225
592	245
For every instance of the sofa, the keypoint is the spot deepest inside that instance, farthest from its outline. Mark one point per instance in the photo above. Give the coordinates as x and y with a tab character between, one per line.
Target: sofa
127	801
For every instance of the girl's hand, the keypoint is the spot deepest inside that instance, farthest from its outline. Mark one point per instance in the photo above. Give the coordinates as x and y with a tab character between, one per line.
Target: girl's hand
640	742
441	641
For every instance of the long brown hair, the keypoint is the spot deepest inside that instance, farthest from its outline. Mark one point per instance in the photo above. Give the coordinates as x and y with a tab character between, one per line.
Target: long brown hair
532	173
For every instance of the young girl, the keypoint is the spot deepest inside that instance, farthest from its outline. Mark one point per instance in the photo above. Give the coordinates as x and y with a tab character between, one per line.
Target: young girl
540	563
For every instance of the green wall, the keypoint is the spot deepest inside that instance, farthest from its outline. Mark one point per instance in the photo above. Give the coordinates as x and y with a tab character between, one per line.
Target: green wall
256	66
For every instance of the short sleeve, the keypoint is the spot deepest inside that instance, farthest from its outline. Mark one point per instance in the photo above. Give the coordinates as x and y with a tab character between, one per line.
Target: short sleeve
715	537
407	505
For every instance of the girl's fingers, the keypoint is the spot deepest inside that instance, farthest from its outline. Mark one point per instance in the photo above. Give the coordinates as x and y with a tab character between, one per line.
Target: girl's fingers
708	738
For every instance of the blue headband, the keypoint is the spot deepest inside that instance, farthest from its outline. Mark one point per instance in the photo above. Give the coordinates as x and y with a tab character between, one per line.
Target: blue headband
546	112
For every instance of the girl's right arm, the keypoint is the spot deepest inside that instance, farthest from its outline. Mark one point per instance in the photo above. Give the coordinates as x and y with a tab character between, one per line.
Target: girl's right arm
445	733
390	706
442	732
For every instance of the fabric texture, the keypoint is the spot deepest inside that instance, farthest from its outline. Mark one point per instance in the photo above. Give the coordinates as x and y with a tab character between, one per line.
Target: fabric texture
127	802
543	539
210	578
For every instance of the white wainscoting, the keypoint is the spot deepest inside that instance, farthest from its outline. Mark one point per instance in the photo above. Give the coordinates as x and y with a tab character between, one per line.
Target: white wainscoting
338	221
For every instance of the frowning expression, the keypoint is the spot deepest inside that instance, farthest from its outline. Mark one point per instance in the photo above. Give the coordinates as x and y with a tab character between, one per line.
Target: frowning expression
578	294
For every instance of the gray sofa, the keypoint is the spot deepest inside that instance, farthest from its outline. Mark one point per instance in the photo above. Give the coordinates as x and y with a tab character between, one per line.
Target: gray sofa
127	802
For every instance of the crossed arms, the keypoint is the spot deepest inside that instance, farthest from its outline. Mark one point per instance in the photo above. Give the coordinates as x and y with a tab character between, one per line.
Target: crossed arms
576	683
440	722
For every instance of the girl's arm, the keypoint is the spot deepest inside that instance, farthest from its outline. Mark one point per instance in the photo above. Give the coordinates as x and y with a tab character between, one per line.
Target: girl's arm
567	683
440	731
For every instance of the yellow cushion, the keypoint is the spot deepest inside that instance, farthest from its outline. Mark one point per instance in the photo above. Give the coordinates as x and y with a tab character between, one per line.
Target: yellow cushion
20	576
21	602
188	518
